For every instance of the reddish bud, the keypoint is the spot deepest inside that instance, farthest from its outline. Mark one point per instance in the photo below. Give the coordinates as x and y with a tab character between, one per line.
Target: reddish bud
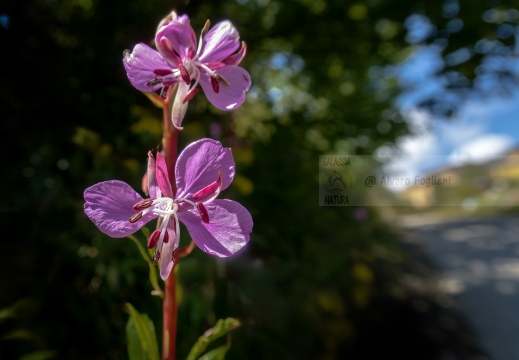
203	212
144	183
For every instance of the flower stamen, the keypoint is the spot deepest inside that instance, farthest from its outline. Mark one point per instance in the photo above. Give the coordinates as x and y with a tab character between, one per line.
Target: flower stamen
191	94
135	217
143	204
156	257
222	80
214	83
162	72
154	82
184	74
202	211
175	254
164	92
153	239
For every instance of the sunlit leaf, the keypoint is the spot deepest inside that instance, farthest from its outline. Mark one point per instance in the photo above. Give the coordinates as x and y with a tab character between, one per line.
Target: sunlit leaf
39	355
145	336
221	328
216	354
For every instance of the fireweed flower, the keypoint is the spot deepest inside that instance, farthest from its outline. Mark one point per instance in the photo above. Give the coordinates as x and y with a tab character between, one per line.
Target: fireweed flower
212	63
217	226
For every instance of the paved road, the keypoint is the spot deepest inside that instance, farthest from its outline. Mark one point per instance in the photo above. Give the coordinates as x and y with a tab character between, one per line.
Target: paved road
479	265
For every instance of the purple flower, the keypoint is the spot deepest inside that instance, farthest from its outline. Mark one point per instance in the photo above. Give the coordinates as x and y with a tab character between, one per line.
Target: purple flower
203	169
212	63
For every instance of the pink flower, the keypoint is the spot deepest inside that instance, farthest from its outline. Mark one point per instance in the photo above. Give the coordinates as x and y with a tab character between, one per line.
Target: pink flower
203	169
212	63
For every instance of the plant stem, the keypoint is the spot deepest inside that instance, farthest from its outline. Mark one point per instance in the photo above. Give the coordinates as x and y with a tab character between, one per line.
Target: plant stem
170	319
169	310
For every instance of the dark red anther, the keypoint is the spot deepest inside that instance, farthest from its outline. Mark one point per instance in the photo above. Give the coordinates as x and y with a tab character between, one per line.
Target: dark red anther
205	29
184	74
162	72
221	80
154	82
156	257
203	212
143	204
135	217
166	237
153	239
216	87
164	91
175	254
191	94
210	191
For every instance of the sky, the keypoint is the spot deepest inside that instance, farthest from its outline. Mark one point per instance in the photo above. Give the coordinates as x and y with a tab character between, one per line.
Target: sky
483	129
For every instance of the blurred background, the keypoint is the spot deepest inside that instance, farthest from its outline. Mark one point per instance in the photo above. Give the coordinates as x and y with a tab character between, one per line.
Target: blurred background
400	79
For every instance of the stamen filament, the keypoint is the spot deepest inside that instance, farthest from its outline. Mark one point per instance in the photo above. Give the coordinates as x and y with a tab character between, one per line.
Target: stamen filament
206	68
163	212
204	31
186	200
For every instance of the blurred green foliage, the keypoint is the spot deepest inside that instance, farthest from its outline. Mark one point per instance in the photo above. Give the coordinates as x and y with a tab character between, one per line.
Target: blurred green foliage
314	282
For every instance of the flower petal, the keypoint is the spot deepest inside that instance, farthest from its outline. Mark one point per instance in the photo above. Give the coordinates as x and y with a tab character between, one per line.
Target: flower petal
179	107
198	166
109	205
161	171
181	37
166	256
235	59
139	65
221	41
228	230
173	17
153	188
228	97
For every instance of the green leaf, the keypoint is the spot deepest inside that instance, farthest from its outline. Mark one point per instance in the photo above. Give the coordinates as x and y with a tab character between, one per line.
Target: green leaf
135	349
6	313
20	334
216	354
144	345
221	328
39	355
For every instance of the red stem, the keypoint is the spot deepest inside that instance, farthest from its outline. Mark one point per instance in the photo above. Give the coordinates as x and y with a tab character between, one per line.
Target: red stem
169	310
